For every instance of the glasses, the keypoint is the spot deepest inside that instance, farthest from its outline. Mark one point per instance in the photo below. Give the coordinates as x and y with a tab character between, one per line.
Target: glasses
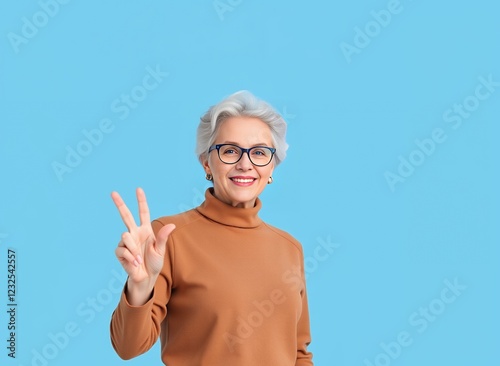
231	154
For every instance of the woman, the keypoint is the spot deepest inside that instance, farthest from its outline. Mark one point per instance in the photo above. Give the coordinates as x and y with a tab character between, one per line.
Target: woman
216	283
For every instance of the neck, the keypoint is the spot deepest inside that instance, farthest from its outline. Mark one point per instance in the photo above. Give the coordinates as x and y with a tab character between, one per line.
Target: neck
247	204
227	214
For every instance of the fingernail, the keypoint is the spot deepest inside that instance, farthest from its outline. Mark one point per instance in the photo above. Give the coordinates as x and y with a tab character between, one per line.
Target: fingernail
136	263
139	259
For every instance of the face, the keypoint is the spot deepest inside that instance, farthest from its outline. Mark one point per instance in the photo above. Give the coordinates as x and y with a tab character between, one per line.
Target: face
245	132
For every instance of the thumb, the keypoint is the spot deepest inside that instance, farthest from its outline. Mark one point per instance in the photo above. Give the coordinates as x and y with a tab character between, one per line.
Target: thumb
162	237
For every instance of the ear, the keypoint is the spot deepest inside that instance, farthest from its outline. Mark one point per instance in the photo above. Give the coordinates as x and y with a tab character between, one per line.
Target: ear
273	167
206	166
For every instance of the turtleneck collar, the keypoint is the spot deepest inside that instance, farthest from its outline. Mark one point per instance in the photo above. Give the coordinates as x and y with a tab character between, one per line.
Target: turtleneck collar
225	214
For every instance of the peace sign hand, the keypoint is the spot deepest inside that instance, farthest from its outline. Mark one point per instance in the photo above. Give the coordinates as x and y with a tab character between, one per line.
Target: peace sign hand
140	253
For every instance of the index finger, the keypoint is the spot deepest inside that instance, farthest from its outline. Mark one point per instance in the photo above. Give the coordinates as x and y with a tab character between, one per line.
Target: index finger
143	207
126	215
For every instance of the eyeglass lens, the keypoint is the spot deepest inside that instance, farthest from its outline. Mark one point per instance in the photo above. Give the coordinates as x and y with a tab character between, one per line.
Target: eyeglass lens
258	155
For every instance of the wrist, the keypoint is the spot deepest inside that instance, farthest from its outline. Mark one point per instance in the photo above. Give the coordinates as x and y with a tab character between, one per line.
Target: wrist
139	293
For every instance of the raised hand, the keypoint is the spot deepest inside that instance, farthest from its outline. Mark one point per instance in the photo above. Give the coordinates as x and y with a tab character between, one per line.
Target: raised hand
139	251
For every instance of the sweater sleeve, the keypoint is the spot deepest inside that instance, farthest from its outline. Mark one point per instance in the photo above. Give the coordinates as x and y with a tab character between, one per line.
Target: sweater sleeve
304	357
135	329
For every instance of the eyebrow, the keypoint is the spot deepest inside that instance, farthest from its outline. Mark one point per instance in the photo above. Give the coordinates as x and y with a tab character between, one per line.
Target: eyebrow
237	144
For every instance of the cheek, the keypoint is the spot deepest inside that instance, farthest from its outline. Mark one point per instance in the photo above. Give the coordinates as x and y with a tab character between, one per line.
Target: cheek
270	169
265	173
221	169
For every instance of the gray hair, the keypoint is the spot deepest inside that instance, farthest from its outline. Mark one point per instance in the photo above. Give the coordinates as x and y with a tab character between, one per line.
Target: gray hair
242	103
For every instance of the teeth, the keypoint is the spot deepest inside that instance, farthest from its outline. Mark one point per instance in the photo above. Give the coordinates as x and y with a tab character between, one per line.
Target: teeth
242	180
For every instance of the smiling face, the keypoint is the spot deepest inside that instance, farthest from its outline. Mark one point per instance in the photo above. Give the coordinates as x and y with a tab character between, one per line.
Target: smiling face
241	183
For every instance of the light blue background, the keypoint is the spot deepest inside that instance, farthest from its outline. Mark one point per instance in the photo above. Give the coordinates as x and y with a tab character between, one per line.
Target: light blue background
348	124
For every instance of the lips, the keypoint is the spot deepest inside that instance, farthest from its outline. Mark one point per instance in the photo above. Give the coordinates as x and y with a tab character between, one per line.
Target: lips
243	180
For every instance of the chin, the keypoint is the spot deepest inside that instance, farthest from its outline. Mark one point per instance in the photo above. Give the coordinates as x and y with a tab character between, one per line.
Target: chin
243	197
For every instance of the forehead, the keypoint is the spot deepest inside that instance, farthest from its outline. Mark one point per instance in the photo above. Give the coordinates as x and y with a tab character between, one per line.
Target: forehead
246	131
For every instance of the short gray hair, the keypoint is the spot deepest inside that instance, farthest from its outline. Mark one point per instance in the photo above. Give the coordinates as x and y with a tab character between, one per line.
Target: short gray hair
242	103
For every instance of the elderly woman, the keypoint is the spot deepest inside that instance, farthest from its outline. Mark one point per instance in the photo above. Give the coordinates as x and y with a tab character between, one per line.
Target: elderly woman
216	283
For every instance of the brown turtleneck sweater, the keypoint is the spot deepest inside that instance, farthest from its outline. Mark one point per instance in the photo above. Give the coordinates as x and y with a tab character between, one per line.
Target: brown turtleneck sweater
231	293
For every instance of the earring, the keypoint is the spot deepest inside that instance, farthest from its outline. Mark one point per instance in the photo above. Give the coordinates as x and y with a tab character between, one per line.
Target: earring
270	180
209	177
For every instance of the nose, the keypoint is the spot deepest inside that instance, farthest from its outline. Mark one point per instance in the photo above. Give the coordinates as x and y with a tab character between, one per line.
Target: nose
244	163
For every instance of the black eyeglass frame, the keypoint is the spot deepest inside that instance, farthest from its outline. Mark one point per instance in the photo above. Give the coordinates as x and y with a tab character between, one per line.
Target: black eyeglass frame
243	150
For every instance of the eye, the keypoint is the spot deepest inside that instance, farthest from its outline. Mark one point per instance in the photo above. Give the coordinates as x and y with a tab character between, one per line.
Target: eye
260	152
229	150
